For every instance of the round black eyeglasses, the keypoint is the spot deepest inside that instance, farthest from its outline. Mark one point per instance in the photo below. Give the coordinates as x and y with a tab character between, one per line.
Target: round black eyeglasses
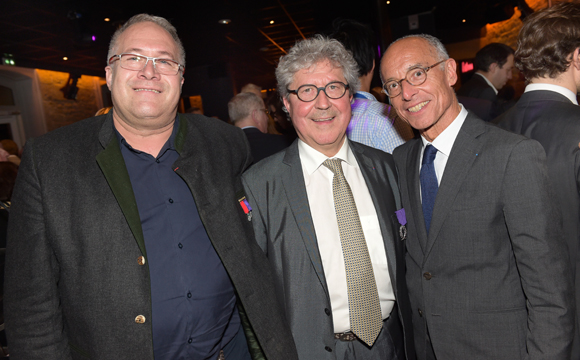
334	90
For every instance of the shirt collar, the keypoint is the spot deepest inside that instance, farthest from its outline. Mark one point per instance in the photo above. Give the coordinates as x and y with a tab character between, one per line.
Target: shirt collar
365	95
311	159
488	82
169	144
555	88
444	142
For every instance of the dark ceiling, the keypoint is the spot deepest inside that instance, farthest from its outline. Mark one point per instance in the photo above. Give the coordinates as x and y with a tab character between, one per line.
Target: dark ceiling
38	34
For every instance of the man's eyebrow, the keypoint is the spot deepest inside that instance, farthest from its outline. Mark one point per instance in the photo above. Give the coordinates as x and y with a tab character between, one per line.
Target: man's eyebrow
410	67
139	51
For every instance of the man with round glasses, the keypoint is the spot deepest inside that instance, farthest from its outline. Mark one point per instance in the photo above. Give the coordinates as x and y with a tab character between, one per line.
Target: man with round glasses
129	235
487	270
324	212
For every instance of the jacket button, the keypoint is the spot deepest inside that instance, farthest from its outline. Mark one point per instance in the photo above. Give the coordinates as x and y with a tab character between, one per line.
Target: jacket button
141	260
327	348
140	319
420	312
327	311
427	275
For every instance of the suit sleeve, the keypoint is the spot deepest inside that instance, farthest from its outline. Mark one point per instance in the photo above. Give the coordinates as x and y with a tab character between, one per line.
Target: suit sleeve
534	226
34	322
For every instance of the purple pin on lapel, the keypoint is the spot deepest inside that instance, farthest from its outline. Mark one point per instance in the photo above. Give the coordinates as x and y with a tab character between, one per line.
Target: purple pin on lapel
402	218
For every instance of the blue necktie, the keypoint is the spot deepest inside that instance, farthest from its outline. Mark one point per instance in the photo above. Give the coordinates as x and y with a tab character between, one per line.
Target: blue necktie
429	184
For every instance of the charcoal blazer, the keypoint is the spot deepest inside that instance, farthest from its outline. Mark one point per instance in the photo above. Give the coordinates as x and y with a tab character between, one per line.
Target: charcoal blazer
477	87
78	282
554	121
263	145
285	231
491	279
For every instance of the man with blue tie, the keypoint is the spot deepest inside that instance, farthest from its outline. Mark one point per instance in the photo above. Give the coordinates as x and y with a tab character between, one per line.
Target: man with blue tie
487	270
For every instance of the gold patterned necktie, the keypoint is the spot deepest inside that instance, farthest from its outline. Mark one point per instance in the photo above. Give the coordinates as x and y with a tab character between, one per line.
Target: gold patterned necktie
363	298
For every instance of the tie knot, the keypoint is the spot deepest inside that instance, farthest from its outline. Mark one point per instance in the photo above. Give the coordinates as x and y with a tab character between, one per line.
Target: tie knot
429	154
334	165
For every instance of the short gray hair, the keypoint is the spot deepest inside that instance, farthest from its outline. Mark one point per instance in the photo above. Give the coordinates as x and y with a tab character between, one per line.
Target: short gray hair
440	51
309	52
166	25
241	105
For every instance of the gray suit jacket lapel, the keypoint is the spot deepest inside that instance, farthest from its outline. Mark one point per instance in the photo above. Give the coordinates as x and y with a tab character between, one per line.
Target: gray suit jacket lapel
382	197
298	200
464	152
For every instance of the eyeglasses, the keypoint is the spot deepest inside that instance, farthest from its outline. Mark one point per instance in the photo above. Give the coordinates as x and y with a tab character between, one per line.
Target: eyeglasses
265	111
138	62
415	76
334	90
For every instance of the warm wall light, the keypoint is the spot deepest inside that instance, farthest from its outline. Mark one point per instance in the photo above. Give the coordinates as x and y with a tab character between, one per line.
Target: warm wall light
65	58
463	20
388	2
271	21
224	21
107	19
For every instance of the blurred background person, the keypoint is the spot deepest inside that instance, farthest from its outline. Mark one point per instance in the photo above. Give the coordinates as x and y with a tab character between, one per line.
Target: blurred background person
373	123
13	152
248	112
548	54
282	121
494	63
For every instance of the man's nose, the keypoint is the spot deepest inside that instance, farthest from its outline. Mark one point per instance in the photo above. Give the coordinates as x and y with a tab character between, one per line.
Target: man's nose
149	70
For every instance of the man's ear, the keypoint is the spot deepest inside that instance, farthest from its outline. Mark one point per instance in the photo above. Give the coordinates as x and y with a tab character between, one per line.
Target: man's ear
493	68
253	114
451	71
287	105
109	76
576	59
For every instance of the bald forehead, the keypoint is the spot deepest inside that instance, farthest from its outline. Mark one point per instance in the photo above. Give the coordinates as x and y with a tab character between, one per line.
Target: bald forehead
412	46
150	35
405	54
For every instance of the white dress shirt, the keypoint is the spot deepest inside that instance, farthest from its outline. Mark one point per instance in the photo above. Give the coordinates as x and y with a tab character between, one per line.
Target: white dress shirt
555	88
318	180
444	143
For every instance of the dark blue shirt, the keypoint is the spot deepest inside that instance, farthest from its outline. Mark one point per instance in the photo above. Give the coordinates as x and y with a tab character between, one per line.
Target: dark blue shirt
193	300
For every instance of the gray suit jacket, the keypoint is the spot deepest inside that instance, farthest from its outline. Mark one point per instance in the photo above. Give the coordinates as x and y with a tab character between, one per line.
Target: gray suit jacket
491	280
74	285
554	121
284	230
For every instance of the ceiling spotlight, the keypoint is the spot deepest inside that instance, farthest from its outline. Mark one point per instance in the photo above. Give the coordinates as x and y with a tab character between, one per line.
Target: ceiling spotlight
388	2
463	20
224	21
271	22
65	58
107	19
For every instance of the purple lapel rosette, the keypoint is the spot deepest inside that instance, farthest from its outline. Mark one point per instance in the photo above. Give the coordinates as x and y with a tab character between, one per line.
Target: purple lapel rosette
402	218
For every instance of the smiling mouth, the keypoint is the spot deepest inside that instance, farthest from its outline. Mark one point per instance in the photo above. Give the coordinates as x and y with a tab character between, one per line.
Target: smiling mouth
418	107
151	90
323	119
